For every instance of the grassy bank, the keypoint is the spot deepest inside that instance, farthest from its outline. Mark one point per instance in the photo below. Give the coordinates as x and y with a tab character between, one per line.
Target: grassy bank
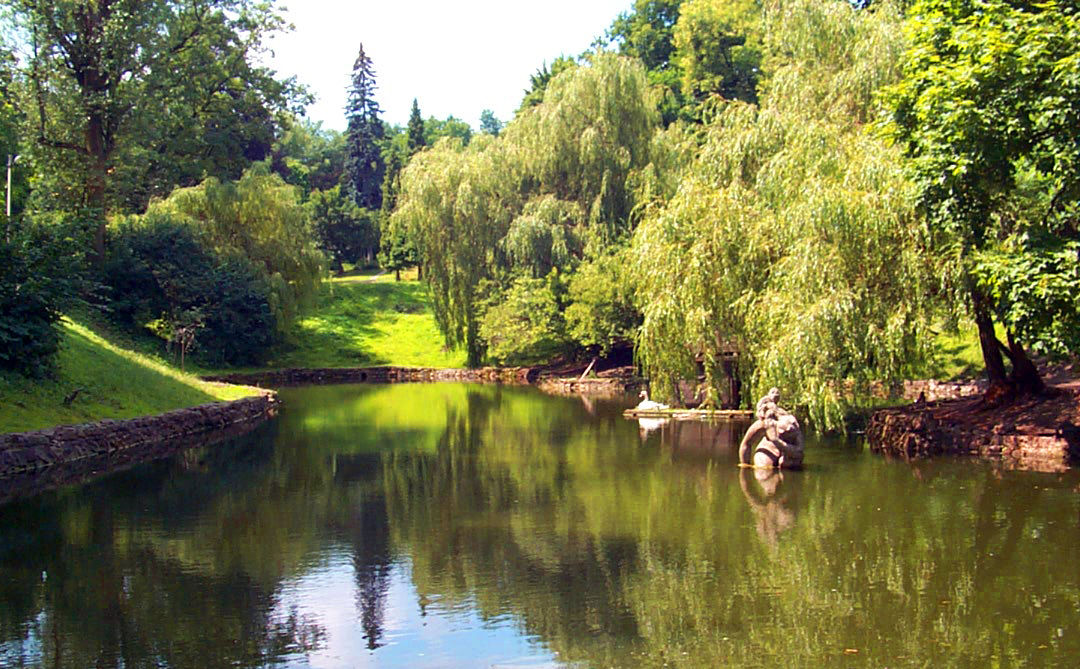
112	383
365	320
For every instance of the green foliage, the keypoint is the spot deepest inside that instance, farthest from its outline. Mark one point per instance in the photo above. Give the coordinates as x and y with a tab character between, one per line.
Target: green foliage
364	166
42	272
1035	283
10	121
792	240
416	137
345	232
987	113
543	236
523	324
601	313
718	48
162	280
309	157
538	82
489	124
130	99
456	202
647	32
556	181
434	130
261	219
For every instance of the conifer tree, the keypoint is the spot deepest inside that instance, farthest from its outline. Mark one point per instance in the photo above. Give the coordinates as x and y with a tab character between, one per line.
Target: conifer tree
416	129
364	166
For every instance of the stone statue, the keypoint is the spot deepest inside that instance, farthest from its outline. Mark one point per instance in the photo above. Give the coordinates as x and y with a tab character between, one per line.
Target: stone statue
776	433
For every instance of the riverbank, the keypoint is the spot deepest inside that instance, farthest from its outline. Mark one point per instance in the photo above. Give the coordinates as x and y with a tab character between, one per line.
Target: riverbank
44	457
1041	433
301	376
95	379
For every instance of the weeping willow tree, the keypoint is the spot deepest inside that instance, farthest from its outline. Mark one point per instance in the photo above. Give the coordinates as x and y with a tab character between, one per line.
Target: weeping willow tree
793	239
261	218
551	191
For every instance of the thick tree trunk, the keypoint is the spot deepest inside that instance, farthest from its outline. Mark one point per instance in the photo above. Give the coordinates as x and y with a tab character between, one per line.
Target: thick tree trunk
95	183
1025	375
97	152
1004	386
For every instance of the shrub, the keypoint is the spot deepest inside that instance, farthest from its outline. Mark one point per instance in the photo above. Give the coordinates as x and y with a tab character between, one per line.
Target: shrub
42	270
162	280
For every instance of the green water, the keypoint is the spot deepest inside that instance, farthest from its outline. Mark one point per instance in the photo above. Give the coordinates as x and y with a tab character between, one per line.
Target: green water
453	525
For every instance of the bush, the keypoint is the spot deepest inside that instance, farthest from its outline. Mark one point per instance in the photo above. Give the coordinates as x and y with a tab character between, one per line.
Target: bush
346	232
42	270
523	325
162	280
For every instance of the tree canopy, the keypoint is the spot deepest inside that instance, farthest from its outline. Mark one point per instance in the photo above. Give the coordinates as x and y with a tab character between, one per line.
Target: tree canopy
364	164
988	113
534	199
127	99
792	239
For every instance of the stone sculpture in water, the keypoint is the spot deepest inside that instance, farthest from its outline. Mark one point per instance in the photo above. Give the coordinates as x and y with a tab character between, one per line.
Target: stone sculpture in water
776	433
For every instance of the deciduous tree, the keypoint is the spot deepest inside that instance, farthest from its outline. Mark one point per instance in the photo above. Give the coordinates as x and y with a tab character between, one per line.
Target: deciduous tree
988	113
793	238
126	89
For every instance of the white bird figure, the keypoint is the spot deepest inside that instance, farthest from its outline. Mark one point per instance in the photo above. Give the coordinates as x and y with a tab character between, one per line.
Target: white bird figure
648	405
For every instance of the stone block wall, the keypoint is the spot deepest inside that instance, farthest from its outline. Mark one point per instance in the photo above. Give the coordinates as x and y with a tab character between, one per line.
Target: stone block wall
27	452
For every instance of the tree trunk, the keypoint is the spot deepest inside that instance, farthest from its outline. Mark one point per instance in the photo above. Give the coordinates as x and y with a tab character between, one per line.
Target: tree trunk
1024	378
988	341
1025	375
97	151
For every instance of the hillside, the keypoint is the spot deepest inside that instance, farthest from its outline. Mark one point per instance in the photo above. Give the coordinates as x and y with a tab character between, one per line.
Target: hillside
362	320
112	383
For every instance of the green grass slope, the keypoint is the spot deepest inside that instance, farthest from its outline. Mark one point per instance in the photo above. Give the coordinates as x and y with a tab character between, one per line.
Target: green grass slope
112	382
364	321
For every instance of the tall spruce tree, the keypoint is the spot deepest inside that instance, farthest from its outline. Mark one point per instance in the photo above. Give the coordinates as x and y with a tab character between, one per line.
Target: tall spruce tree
364	166
416	129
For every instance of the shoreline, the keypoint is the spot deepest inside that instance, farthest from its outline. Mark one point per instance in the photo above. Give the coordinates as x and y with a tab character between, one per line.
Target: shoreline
1040	433
103	445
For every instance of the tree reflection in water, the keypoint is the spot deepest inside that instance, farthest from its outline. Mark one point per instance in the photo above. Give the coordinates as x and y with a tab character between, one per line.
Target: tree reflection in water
551	520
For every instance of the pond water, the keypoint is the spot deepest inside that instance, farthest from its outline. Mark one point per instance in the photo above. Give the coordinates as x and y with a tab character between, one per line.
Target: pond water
455	525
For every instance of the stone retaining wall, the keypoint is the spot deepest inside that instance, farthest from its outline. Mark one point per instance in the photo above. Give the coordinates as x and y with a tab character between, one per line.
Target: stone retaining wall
612	387
29	452
931	391
318	376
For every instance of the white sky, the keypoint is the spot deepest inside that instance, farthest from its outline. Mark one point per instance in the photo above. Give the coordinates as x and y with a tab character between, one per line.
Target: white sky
455	58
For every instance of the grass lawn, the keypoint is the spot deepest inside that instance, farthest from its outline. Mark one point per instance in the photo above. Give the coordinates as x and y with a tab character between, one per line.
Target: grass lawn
365	319
113	383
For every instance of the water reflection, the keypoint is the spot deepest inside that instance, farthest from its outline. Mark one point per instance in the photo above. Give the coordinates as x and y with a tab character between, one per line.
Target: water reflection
454	525
773	502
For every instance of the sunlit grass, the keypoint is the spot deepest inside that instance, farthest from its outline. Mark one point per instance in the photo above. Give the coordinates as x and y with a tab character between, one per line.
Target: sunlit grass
957	355
112	382
363	320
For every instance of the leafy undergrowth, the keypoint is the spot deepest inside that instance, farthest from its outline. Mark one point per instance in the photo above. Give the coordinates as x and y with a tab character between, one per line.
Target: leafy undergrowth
364	320
112	382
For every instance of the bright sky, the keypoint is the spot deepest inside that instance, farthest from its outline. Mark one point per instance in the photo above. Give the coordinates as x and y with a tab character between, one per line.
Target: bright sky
455	58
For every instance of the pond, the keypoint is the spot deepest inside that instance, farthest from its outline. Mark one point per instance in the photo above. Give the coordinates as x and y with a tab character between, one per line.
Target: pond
456	525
